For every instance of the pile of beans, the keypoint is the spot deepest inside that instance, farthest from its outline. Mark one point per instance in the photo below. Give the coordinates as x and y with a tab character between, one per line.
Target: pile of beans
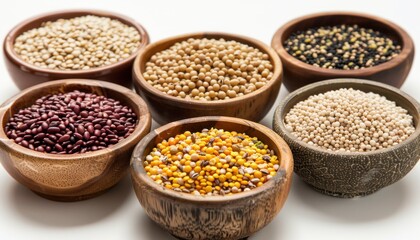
349	120
342	47
208	69
72	122
211	162
78	43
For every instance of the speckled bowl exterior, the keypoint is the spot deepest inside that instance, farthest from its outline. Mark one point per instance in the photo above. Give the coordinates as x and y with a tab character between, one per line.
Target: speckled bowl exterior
351	174
236	216
26	75
71	177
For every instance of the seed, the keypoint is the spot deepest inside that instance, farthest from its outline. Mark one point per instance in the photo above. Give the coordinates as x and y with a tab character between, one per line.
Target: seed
77	43
207	165
216	70
353	108
60	135
342	47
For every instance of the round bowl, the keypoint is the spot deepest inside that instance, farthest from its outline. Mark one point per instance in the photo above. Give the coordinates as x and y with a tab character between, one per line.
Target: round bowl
253	106
236	216
71	177
298	74
26	75
351	174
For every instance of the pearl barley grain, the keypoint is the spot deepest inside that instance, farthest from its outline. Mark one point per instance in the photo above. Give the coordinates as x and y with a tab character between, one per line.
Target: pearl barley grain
77	43
219	69
349	120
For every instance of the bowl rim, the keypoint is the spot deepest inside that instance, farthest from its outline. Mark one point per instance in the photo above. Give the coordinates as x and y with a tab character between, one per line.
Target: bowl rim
406	43
143	122
279	111
137	169
145	86
9	40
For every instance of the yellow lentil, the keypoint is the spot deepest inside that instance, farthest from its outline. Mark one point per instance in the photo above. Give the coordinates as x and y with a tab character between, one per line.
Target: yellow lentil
211	162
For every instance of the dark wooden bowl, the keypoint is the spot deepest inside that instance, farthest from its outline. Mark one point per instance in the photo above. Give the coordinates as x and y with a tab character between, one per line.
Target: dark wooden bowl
164	108
351	174
298	73
212	217
26	75
71	177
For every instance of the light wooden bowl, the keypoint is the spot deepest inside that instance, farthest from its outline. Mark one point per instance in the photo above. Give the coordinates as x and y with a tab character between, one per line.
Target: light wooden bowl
212	217
26	75
71	177
351	174
298	73
164	108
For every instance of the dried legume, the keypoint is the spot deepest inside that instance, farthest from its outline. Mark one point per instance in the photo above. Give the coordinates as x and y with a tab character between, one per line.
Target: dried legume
72	122
208	69
349	120
342	47
211	162
77	43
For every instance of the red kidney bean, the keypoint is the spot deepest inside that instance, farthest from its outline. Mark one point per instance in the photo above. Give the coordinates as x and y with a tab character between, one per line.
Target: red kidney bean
73	122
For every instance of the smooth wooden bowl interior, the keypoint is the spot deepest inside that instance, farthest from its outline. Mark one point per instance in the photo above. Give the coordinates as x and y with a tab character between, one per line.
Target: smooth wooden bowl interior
153	196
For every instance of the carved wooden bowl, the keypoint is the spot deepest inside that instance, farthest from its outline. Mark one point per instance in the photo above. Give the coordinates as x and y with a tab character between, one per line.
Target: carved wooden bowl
71	177
298	74
351	174
26	75
253	106
234	216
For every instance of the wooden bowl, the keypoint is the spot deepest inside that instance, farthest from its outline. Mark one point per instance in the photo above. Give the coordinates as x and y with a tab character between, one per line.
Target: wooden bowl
298	73
26	75
351	174
234	216
71	177
164	108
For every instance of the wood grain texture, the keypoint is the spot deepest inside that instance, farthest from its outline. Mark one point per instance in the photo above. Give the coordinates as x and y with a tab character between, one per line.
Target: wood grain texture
164	108
298	73
26	75
71	177
351	174
187	216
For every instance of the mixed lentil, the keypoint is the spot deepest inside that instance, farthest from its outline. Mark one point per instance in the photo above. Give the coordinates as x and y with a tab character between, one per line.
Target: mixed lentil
78	43
342	47
349	120
208	69
211	162
72	122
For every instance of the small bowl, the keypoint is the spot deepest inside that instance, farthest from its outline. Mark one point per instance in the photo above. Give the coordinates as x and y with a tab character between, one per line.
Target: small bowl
71	177
298	74
253	106
26	75
351	174
236	216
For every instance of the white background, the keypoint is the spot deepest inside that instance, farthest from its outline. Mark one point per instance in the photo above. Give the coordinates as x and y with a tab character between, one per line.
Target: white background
391	213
